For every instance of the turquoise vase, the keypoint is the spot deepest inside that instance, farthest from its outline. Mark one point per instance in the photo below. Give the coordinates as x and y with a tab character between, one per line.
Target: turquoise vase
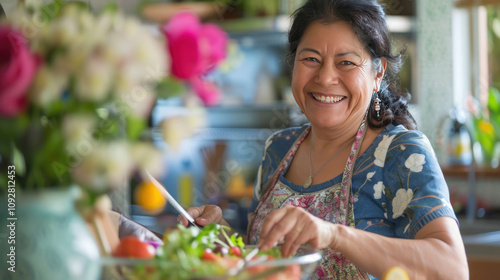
52	241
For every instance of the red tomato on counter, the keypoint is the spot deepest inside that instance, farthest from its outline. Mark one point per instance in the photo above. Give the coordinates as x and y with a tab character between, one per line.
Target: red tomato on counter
133	247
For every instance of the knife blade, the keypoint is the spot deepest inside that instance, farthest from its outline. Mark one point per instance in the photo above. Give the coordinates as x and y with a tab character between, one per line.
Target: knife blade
171	199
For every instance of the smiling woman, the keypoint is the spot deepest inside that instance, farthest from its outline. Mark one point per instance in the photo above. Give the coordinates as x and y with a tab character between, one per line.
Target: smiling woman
383	202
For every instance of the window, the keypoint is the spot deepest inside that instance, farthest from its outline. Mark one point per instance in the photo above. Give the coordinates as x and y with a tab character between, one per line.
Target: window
483	18
493	24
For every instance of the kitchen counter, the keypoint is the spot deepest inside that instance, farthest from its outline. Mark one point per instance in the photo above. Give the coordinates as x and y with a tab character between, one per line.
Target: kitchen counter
482	246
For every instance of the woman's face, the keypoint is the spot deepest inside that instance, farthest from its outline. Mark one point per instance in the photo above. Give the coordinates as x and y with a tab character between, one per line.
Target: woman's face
333	78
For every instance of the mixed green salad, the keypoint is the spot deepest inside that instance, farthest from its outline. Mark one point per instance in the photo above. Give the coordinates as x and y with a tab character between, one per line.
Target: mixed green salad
206	253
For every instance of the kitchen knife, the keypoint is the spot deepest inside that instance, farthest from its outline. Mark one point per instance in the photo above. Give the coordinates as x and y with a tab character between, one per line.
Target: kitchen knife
171	199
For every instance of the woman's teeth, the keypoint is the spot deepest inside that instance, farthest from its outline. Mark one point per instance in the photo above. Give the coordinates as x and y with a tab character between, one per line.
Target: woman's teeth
328	99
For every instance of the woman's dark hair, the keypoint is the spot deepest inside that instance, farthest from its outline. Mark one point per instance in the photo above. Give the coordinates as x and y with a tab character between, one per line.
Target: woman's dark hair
367	19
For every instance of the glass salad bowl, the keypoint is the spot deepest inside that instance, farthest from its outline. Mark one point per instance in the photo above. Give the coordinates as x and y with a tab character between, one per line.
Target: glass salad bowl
263	266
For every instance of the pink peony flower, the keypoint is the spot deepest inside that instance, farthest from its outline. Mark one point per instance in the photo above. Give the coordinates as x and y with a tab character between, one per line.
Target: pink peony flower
17	68
218	44
194	48
207	91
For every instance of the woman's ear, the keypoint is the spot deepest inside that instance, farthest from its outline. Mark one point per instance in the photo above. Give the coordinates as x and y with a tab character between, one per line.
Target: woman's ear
380	73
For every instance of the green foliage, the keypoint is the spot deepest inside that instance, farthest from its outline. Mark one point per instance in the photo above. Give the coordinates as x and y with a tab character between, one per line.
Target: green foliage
484	125
18	160
273	252
135	127
237	240
181	255
494	109
190	240
183	249
111	6
170	87
261	7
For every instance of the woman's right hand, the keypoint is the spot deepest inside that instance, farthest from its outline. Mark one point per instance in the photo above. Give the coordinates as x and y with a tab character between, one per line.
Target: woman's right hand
204	215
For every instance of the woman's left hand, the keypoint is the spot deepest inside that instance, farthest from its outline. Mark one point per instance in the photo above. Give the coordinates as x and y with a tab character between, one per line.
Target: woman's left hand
297	227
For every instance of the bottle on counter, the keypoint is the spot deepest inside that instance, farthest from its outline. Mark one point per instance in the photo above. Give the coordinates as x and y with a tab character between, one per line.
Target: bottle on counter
459	146
186	185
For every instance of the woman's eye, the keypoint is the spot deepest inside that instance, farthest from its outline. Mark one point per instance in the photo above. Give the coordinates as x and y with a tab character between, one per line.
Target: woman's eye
311	59
345	62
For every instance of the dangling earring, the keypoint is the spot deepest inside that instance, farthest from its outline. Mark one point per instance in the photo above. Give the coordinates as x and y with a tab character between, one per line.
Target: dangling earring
376	104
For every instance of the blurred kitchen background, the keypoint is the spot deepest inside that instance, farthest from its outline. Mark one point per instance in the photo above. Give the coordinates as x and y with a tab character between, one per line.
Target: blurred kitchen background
220	162
452	71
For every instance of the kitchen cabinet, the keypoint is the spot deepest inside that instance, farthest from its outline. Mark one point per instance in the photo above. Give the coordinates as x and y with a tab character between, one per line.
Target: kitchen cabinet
483	254
481	236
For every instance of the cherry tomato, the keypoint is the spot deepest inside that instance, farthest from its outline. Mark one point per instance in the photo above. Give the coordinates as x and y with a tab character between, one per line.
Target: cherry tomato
133	247
235	251
208	255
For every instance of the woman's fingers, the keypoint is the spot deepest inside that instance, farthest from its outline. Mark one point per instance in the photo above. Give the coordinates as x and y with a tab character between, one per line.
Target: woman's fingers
297	227
203	215
277	225
292	241
271	229
183	221
210	214
291	248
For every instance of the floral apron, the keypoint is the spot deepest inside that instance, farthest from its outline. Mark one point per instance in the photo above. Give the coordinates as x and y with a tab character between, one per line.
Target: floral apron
333	204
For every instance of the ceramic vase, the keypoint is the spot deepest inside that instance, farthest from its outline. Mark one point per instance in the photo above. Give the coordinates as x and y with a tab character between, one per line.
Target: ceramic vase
43	237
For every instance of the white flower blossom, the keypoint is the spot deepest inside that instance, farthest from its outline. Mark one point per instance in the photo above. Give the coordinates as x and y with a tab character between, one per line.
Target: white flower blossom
76	55
127	78
117	163
401	201
415	162
104	23
108	166
379	189
370	175
64	29
150	51
48	86
77	127
94	81
381	151
117	48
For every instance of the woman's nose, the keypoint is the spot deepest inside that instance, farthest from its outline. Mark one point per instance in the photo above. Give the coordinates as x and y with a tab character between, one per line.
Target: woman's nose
327	75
